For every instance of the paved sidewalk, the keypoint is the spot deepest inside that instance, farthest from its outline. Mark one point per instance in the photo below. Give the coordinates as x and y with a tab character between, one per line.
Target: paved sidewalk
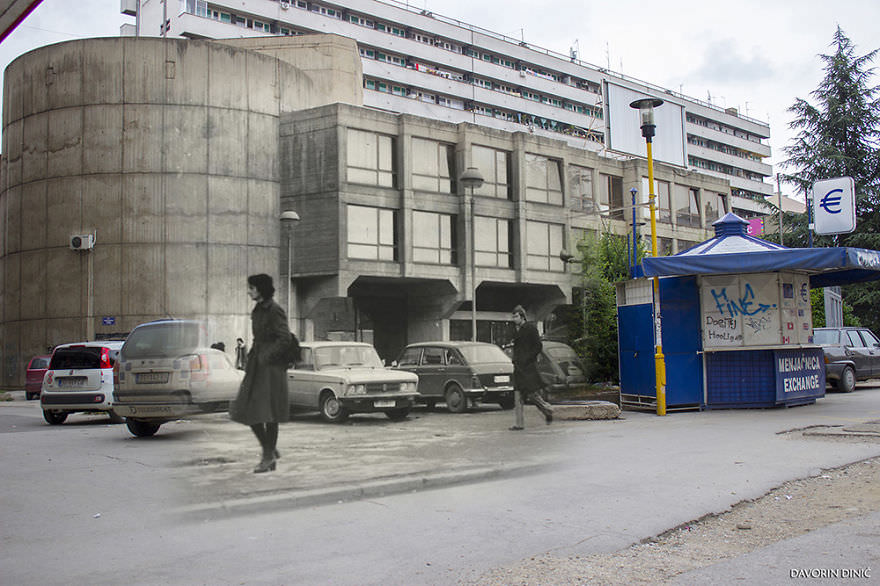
367	456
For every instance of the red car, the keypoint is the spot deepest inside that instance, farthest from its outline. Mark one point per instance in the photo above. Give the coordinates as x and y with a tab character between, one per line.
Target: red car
36	369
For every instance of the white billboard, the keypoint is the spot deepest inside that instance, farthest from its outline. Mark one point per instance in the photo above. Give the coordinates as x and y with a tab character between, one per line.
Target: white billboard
625	127
834	205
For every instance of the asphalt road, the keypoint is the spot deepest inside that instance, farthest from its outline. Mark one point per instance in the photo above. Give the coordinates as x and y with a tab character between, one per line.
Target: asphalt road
88	503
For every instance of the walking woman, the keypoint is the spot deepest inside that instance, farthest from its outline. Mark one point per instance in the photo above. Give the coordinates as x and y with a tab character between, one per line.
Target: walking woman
262	399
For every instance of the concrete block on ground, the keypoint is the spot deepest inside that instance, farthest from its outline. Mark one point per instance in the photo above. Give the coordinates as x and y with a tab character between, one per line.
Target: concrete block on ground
582	410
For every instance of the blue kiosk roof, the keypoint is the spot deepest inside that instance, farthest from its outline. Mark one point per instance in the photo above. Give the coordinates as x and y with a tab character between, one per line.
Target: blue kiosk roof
732	251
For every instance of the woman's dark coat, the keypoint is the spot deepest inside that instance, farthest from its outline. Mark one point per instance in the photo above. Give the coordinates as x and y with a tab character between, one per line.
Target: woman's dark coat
263	396
526	348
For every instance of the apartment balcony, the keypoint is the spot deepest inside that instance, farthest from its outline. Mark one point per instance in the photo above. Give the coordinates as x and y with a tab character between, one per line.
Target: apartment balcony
755	127
534	83
758	148
732	160
761	187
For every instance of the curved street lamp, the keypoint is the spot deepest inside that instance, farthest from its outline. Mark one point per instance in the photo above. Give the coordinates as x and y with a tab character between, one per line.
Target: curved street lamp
288	219
472	179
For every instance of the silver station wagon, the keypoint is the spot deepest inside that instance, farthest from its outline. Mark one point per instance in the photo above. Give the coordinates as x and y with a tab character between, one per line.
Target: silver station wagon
341	378
167	371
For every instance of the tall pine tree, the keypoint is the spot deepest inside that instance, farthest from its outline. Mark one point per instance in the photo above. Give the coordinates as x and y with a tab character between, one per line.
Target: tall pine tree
839	136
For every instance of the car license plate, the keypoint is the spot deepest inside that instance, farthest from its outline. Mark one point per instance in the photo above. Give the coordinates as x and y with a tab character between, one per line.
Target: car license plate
67	382
151	378
381	404
502	378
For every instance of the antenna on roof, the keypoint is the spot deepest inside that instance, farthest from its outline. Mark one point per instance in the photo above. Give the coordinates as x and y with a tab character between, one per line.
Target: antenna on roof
573	51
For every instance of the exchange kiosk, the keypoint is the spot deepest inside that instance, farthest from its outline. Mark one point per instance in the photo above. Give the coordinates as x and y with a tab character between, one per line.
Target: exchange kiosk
735	321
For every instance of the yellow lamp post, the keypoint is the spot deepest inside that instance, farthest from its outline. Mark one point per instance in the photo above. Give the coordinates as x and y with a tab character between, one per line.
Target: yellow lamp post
646	106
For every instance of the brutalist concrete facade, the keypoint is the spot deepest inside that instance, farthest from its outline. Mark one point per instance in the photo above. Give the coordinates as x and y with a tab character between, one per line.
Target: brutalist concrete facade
393	302
166	151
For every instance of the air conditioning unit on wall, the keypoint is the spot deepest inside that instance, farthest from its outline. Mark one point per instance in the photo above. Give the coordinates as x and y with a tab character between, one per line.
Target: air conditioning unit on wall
82	241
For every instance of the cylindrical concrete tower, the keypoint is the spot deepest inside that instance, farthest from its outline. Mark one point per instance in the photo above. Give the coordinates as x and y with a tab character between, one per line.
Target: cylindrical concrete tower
166	151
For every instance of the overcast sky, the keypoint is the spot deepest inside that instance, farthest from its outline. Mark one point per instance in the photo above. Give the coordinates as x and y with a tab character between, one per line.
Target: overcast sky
755	55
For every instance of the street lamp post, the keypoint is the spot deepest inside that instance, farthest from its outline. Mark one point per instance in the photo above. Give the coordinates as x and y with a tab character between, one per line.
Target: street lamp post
472	179
288	219
646	106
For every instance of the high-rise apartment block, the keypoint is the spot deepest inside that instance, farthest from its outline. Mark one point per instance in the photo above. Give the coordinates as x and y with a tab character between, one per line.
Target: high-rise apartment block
418	62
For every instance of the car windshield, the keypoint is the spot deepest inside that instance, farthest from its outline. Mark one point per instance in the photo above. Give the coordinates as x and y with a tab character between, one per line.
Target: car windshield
346	357
162	340
38	363
479	354
826	337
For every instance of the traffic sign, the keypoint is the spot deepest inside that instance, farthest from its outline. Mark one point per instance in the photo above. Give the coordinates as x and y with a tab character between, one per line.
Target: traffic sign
834	205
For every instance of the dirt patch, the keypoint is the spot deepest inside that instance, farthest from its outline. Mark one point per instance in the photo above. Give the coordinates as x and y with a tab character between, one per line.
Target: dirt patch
790	510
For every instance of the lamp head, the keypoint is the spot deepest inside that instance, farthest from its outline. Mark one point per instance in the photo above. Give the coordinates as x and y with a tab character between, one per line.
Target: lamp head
471	178
646	106
289	216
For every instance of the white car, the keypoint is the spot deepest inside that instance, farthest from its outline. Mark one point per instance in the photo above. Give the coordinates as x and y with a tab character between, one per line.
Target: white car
340	378
80	379
166	370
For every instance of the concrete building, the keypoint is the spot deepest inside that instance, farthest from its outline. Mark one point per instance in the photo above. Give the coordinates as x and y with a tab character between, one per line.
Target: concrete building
172	160
392	245
422	63
164	165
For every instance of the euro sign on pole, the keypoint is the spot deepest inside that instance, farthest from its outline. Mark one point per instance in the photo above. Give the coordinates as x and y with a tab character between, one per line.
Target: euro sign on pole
834	205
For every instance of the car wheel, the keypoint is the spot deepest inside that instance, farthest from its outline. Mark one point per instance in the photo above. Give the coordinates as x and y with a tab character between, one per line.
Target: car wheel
114	418
332	410
54	417
506	403
456	400
397	414
142	428
847	382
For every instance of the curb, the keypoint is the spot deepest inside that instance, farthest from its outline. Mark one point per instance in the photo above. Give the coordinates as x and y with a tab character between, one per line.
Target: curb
293	499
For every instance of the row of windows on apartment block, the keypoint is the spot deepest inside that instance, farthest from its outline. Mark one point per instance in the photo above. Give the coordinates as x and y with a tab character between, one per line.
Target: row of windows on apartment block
723	148
528	120
371	160
204	9
400	61
712	124
722	168
374	234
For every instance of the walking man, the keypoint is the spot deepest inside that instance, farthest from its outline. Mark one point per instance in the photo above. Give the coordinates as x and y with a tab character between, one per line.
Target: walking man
527	382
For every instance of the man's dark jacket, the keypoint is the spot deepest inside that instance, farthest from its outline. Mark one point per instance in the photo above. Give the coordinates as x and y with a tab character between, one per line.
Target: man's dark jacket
526	347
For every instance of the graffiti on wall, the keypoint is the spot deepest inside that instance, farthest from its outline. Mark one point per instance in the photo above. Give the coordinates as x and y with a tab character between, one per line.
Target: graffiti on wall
740	310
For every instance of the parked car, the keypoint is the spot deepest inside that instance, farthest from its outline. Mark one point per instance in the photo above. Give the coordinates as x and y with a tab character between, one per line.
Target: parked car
851	354
460	373
561	369
167	370
80	379
36	370
340	378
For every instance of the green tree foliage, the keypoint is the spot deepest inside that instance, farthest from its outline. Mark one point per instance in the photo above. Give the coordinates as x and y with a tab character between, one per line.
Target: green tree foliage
593	329
839	136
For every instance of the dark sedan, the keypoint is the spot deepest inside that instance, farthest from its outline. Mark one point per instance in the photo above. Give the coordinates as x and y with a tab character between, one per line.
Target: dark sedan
851	354
460	373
